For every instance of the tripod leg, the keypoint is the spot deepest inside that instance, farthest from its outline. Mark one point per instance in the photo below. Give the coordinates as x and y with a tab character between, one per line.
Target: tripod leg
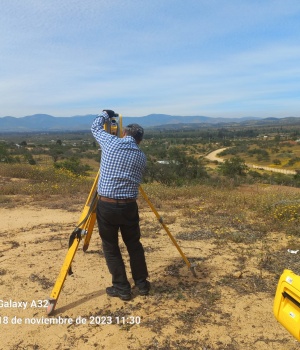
160	219
84	228
62	276
91	203
91	224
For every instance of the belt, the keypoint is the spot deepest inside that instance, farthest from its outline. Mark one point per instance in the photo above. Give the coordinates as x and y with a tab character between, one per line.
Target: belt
112	200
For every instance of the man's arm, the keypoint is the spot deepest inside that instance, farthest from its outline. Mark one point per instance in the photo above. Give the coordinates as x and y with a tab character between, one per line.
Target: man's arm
98	128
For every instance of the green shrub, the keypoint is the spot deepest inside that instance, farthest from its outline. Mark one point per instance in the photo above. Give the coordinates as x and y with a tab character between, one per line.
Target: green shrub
74	166
233	167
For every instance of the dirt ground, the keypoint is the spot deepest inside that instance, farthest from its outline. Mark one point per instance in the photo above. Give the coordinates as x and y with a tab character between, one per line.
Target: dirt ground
227	306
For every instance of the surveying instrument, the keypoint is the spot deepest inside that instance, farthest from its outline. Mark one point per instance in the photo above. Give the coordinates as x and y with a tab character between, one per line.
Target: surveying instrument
85	226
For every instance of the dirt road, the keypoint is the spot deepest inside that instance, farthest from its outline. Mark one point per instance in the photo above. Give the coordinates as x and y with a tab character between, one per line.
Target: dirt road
213	157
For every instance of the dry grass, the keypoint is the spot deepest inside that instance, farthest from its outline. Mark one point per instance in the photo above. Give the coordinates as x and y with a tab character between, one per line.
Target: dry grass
44	185
240	214
246	210
248	229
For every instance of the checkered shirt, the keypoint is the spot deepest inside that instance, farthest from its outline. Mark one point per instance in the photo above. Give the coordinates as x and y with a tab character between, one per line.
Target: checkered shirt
122	162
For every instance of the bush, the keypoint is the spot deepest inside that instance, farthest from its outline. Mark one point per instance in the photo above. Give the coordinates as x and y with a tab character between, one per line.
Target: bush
174	173
74	166
37	180
5	157
261	154
233	166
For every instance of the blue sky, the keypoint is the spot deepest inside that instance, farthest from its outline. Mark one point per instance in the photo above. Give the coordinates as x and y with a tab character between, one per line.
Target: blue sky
218	58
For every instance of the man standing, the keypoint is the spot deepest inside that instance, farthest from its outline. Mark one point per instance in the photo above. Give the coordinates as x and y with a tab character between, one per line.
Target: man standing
121	168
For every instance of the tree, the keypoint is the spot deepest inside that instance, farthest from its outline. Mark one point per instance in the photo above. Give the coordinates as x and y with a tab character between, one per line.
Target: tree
55	153
277	138
177	170
233	166
5	157
29	158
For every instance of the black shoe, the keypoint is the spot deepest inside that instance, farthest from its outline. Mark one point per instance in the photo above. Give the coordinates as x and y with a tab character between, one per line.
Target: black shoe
114	292
145	289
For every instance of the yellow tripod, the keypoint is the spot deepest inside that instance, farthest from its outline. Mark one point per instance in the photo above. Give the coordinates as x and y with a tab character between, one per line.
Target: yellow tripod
85	226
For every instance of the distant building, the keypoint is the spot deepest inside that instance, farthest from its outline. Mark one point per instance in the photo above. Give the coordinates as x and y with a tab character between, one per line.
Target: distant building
167	162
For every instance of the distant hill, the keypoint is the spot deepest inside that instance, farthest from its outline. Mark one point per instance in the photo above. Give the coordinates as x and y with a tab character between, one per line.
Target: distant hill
45	122
48	123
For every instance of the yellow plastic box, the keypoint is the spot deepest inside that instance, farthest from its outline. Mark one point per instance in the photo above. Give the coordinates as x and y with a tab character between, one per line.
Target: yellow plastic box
287	302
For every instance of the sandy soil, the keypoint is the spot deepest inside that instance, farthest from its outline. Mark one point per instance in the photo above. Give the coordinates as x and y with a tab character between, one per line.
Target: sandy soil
181	312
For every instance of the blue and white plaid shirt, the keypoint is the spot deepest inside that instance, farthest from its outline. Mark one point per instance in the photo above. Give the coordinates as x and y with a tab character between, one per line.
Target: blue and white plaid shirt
122	162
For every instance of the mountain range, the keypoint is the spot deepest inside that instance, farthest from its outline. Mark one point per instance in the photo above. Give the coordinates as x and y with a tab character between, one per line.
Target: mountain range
48	123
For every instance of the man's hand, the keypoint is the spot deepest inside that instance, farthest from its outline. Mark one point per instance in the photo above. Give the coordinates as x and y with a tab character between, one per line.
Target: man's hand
110	113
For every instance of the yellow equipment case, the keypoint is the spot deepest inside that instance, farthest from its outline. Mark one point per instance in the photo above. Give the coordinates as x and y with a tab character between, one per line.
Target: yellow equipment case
287	302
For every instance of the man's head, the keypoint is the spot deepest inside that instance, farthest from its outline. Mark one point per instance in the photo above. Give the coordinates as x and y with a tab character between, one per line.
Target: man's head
134	130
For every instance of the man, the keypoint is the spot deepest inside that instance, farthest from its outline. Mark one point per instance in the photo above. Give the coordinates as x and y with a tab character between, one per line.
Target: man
121	168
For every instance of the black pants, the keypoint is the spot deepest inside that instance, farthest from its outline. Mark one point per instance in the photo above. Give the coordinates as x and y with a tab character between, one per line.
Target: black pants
111	217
